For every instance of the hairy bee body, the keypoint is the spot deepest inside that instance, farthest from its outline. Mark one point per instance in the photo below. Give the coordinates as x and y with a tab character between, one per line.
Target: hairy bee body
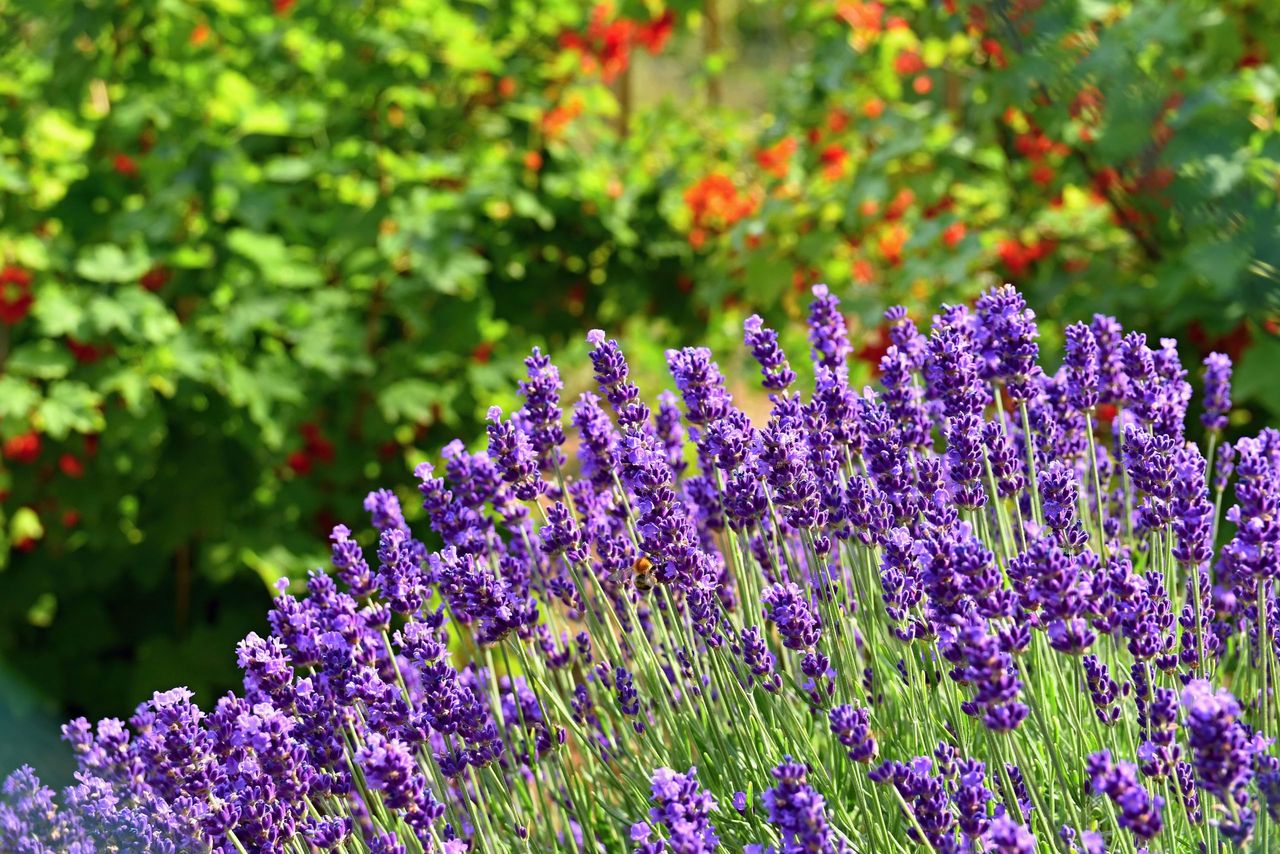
642	574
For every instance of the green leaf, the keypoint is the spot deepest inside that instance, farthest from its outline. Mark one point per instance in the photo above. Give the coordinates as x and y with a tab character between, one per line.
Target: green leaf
279	264
70	406
17	398
58	310
411	400
109	263
44	360
287	170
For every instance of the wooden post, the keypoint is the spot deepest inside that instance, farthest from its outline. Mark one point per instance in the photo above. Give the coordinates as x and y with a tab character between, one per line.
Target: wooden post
711	47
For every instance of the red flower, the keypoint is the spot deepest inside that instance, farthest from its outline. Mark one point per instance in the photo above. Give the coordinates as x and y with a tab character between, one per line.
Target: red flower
23	448
15	294
559	116
892	242
873	109
923	84
1015	257
953	234
653	35
317	447
995	50
300	463
125	165
901	202
154	279
86	354
282	7
776	159
908	62
533	161
1043	174
862	271
834	159
70	465
481	353
716	205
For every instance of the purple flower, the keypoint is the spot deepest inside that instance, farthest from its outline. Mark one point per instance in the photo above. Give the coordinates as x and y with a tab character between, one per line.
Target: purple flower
793	616
990	671
799	813
1007	345
827	331
965	462
1140	811
1221	752
683	809
511	450
1103	690
1082	364
700	383
951	373
1217	391
611	373
1006	836
852	728
763	343
972	797
540	416
1059	492
1109	336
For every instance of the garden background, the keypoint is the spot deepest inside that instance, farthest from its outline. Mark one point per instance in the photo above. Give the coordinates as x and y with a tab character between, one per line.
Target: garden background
259	256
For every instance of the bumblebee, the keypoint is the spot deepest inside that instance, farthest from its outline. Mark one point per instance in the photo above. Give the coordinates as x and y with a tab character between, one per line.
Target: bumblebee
642	574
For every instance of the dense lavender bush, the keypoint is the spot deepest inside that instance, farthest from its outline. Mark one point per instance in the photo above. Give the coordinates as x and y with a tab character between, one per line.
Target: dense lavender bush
979	609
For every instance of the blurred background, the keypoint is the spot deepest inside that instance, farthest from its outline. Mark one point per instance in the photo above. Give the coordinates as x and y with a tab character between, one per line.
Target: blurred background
258	257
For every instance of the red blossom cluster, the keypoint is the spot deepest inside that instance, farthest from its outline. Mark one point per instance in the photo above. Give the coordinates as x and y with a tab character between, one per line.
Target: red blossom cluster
716	205
776	159
15	294
316	448
605	45
125	165
1017	257
154	279
23	448
557	119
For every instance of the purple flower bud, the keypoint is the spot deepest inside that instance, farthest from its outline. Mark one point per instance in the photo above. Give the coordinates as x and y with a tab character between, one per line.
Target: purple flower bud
763	342
1217	391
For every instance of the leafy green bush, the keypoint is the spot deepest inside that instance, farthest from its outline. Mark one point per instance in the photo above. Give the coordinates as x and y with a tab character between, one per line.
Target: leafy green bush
1117	157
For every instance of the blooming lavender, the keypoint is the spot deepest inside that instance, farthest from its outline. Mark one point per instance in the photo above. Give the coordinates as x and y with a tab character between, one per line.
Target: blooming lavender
763	343
979	609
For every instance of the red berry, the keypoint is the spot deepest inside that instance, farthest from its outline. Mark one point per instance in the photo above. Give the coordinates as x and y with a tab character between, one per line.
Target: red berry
154	279
71	465
23	448
300	462
125	165
16	298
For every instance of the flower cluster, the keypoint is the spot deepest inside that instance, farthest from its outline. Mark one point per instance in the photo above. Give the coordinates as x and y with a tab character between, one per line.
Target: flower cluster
963	610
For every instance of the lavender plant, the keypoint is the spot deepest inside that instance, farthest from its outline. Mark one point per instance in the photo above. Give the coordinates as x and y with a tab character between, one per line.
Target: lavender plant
977	609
